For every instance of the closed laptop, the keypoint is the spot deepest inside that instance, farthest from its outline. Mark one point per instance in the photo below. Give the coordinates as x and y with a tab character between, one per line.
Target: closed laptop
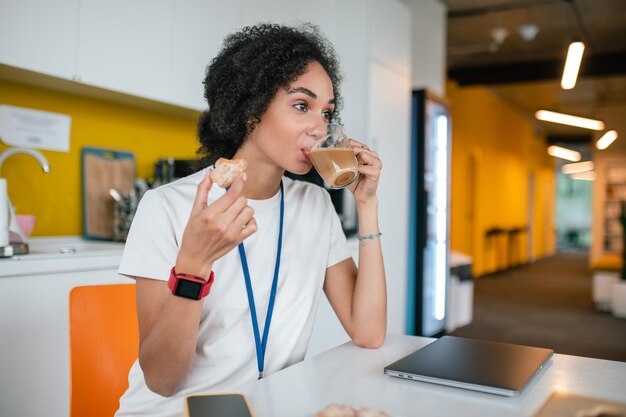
493	367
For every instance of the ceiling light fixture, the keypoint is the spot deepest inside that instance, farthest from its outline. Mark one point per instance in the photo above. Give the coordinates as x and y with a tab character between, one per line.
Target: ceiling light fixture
606	139
577	167
528	31
567	119
564	153
572	65
588	176
499	34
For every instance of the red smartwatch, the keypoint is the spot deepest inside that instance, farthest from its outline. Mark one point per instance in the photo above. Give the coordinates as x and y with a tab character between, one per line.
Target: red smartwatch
188	286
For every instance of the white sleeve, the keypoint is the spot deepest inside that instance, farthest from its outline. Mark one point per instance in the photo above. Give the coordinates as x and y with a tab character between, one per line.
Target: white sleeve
151	247
338	249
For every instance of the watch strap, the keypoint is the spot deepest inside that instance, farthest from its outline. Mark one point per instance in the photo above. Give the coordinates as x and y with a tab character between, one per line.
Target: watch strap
175	279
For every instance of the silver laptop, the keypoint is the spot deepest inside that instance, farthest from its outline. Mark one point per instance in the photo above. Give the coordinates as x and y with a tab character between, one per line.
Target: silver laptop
496	368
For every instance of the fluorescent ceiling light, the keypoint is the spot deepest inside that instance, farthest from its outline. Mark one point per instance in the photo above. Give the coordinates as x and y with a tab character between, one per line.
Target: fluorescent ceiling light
568	119
564	153
577	167
572	65
606	139
588	176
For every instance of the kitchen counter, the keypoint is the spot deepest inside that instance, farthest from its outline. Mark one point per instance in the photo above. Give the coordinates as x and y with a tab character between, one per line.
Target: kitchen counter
62	254
353	376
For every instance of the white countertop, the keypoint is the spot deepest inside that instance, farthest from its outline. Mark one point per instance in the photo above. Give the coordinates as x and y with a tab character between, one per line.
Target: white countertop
62	254
353	376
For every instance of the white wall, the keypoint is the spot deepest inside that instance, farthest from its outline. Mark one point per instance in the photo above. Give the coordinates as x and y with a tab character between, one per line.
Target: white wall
377	92
429	45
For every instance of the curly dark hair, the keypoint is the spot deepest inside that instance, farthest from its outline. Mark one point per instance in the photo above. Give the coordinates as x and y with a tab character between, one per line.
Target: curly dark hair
245	76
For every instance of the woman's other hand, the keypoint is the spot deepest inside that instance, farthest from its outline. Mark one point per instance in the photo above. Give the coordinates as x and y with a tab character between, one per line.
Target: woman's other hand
213	230
370	166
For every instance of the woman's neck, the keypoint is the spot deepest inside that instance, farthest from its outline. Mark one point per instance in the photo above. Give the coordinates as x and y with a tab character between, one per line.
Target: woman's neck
263	178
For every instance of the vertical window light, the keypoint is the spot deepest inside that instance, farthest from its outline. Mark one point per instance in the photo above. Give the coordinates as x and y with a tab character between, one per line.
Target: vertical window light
572	65
441	222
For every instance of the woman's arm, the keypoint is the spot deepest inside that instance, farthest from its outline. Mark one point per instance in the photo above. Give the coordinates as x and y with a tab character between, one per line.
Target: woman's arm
359	297
168	331
168	324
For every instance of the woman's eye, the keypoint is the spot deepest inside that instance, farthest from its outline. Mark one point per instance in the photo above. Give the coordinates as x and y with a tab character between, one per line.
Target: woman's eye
301	106
328	115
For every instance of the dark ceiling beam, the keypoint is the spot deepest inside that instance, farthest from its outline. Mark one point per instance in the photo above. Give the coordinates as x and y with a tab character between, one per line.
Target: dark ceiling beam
556	139
594	65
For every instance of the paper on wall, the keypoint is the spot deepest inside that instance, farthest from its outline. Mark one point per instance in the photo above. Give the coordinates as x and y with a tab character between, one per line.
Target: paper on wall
30	128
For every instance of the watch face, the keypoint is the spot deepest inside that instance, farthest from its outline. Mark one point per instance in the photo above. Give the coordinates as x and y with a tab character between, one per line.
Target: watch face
188	289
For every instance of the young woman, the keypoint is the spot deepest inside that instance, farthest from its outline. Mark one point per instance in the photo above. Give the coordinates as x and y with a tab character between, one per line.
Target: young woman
266	247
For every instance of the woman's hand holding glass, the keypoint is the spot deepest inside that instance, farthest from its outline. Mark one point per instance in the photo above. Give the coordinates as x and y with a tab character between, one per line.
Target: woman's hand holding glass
370	166
213	230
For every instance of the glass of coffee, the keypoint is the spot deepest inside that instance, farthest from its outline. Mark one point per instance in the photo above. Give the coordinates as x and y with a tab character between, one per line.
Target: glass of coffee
333	158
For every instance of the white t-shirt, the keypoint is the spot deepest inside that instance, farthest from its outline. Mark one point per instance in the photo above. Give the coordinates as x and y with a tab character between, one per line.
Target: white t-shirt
225	354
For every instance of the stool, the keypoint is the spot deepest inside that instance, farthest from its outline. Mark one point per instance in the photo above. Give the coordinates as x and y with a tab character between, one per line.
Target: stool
491	235
606	272
514	245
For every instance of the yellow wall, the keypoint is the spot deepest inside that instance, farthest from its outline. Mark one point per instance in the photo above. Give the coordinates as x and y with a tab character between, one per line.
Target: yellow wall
55	198
494	152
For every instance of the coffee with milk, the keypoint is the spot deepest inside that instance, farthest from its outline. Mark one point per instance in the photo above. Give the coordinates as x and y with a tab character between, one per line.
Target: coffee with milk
337	166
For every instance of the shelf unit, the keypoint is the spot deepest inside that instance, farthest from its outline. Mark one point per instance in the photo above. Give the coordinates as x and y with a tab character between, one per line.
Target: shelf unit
615	192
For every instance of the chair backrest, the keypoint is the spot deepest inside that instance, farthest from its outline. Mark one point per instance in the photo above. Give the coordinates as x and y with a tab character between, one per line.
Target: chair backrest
104	343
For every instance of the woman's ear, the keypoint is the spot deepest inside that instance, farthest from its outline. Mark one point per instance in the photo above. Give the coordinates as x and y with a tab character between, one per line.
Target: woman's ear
251	123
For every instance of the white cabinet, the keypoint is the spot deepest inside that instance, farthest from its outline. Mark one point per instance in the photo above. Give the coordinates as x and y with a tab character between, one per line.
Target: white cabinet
159	49
126	46
198	30
39	35
34	352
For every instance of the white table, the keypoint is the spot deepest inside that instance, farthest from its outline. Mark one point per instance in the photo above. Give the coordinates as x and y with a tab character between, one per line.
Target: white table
353	376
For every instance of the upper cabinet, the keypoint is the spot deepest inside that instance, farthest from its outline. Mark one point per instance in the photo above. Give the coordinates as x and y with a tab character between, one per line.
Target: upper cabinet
39	35
126	46
159	49
198	30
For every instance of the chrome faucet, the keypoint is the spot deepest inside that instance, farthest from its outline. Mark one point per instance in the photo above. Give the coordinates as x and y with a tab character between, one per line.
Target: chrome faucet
43	162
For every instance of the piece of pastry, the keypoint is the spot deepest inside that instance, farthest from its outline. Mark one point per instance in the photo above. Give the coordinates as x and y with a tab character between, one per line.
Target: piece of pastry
337	410
225	171
368	412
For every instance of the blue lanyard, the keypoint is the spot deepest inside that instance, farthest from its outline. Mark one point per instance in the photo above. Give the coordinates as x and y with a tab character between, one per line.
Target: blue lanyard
261	346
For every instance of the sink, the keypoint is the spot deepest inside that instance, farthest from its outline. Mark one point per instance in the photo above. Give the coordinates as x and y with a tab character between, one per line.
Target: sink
70	245
59	254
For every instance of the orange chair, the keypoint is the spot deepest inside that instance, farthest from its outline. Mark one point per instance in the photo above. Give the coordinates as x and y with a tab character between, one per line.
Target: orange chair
104	343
